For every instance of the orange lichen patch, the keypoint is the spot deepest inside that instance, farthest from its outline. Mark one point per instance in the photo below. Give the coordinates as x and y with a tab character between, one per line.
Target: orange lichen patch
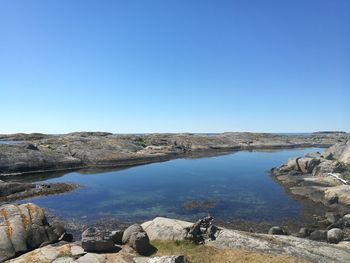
64	251
33	257
32	209
25	221
9	229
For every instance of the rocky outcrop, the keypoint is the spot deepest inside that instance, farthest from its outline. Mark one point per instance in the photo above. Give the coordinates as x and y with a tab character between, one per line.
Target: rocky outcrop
164	228
310	176
10	188
339	151
161	228
98	149
22	228
10	191
73	252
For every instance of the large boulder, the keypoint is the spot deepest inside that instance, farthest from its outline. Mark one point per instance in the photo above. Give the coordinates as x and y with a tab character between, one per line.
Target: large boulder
342	223
117	236
140	242
306	164
137	238
162	228
277	230
96	240
319	235
131	229
335	235
22	228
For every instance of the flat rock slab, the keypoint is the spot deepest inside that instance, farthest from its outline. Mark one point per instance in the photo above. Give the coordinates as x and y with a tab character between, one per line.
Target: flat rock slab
67	253
162	228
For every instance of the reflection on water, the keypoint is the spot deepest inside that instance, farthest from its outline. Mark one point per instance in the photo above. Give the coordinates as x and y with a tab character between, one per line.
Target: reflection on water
232	186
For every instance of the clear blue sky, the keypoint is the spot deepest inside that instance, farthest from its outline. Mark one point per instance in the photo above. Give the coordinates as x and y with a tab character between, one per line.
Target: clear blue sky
173	66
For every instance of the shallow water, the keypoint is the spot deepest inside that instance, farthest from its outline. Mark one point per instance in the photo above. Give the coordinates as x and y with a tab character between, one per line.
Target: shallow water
9	142
231	186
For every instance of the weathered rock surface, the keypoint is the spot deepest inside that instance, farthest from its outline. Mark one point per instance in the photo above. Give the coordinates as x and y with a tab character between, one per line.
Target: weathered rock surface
309	176
9	188
40	152
319	235
339	151
137	238
11	191
140	242
73	252
161	228
22	228
96	240
335	235
135	228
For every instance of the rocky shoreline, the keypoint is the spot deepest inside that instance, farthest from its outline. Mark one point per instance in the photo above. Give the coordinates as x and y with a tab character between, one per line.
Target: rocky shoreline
25	227
27	236
320	177
40	152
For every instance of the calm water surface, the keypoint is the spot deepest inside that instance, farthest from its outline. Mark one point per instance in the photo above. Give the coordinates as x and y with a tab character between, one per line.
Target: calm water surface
232	186
9	142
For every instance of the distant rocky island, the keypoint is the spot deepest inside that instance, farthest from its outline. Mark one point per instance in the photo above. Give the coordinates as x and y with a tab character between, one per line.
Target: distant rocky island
41	152
27	235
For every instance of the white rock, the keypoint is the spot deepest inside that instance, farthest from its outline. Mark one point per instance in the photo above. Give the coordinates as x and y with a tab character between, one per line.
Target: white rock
162	228
92	258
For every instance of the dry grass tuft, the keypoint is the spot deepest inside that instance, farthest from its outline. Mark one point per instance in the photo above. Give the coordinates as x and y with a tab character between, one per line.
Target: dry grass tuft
207	254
